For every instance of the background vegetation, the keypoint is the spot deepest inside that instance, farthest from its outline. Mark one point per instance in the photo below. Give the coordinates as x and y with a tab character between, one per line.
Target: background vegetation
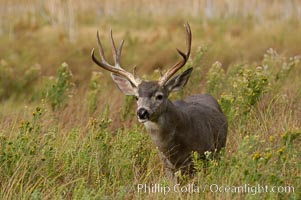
67	132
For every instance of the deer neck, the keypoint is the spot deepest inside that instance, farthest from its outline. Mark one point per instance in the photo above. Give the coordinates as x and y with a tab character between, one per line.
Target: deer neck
163	130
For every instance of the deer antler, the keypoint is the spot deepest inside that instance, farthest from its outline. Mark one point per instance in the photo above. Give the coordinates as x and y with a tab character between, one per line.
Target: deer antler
182	62
116	69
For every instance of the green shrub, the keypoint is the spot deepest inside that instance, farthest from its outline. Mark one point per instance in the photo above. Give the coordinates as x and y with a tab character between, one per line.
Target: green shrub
215	79
94	90
242	90
128	108
59	89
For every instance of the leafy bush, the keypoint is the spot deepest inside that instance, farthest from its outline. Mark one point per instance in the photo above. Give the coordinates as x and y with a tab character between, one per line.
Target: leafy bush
59	90
245	87
215	79
94	90
239	90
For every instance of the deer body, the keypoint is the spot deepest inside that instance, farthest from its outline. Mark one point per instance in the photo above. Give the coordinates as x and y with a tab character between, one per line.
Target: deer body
196	123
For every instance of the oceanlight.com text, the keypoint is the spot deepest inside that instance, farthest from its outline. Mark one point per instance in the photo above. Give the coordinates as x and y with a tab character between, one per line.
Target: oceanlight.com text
214	188
251	189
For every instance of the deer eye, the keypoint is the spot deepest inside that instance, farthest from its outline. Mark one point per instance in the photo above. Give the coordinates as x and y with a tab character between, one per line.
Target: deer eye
159	97
136	97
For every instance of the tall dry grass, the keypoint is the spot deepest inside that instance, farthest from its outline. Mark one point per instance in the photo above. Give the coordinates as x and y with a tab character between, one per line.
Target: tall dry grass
88	144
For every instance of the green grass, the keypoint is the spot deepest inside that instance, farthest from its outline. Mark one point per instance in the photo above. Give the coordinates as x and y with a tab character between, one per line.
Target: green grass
67	132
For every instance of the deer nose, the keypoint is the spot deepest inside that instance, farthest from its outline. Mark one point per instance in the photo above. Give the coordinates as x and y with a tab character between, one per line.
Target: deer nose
142	113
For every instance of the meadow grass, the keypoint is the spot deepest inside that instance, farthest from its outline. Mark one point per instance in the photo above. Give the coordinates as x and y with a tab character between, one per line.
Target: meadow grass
67	132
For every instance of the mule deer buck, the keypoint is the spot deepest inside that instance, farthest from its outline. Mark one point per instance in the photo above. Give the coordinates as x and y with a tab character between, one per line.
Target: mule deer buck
178	128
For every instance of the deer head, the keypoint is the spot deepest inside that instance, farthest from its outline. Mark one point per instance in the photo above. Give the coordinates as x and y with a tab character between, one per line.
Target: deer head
151	96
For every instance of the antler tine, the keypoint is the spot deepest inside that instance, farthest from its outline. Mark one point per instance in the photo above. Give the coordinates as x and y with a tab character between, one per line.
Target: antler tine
101	51
116	69
119	51
116	52
182	62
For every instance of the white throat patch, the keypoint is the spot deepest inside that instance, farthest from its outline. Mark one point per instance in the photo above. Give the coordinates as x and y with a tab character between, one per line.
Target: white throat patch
151	126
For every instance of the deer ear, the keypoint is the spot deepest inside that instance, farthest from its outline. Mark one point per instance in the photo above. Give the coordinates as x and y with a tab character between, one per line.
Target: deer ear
178	82
127	87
